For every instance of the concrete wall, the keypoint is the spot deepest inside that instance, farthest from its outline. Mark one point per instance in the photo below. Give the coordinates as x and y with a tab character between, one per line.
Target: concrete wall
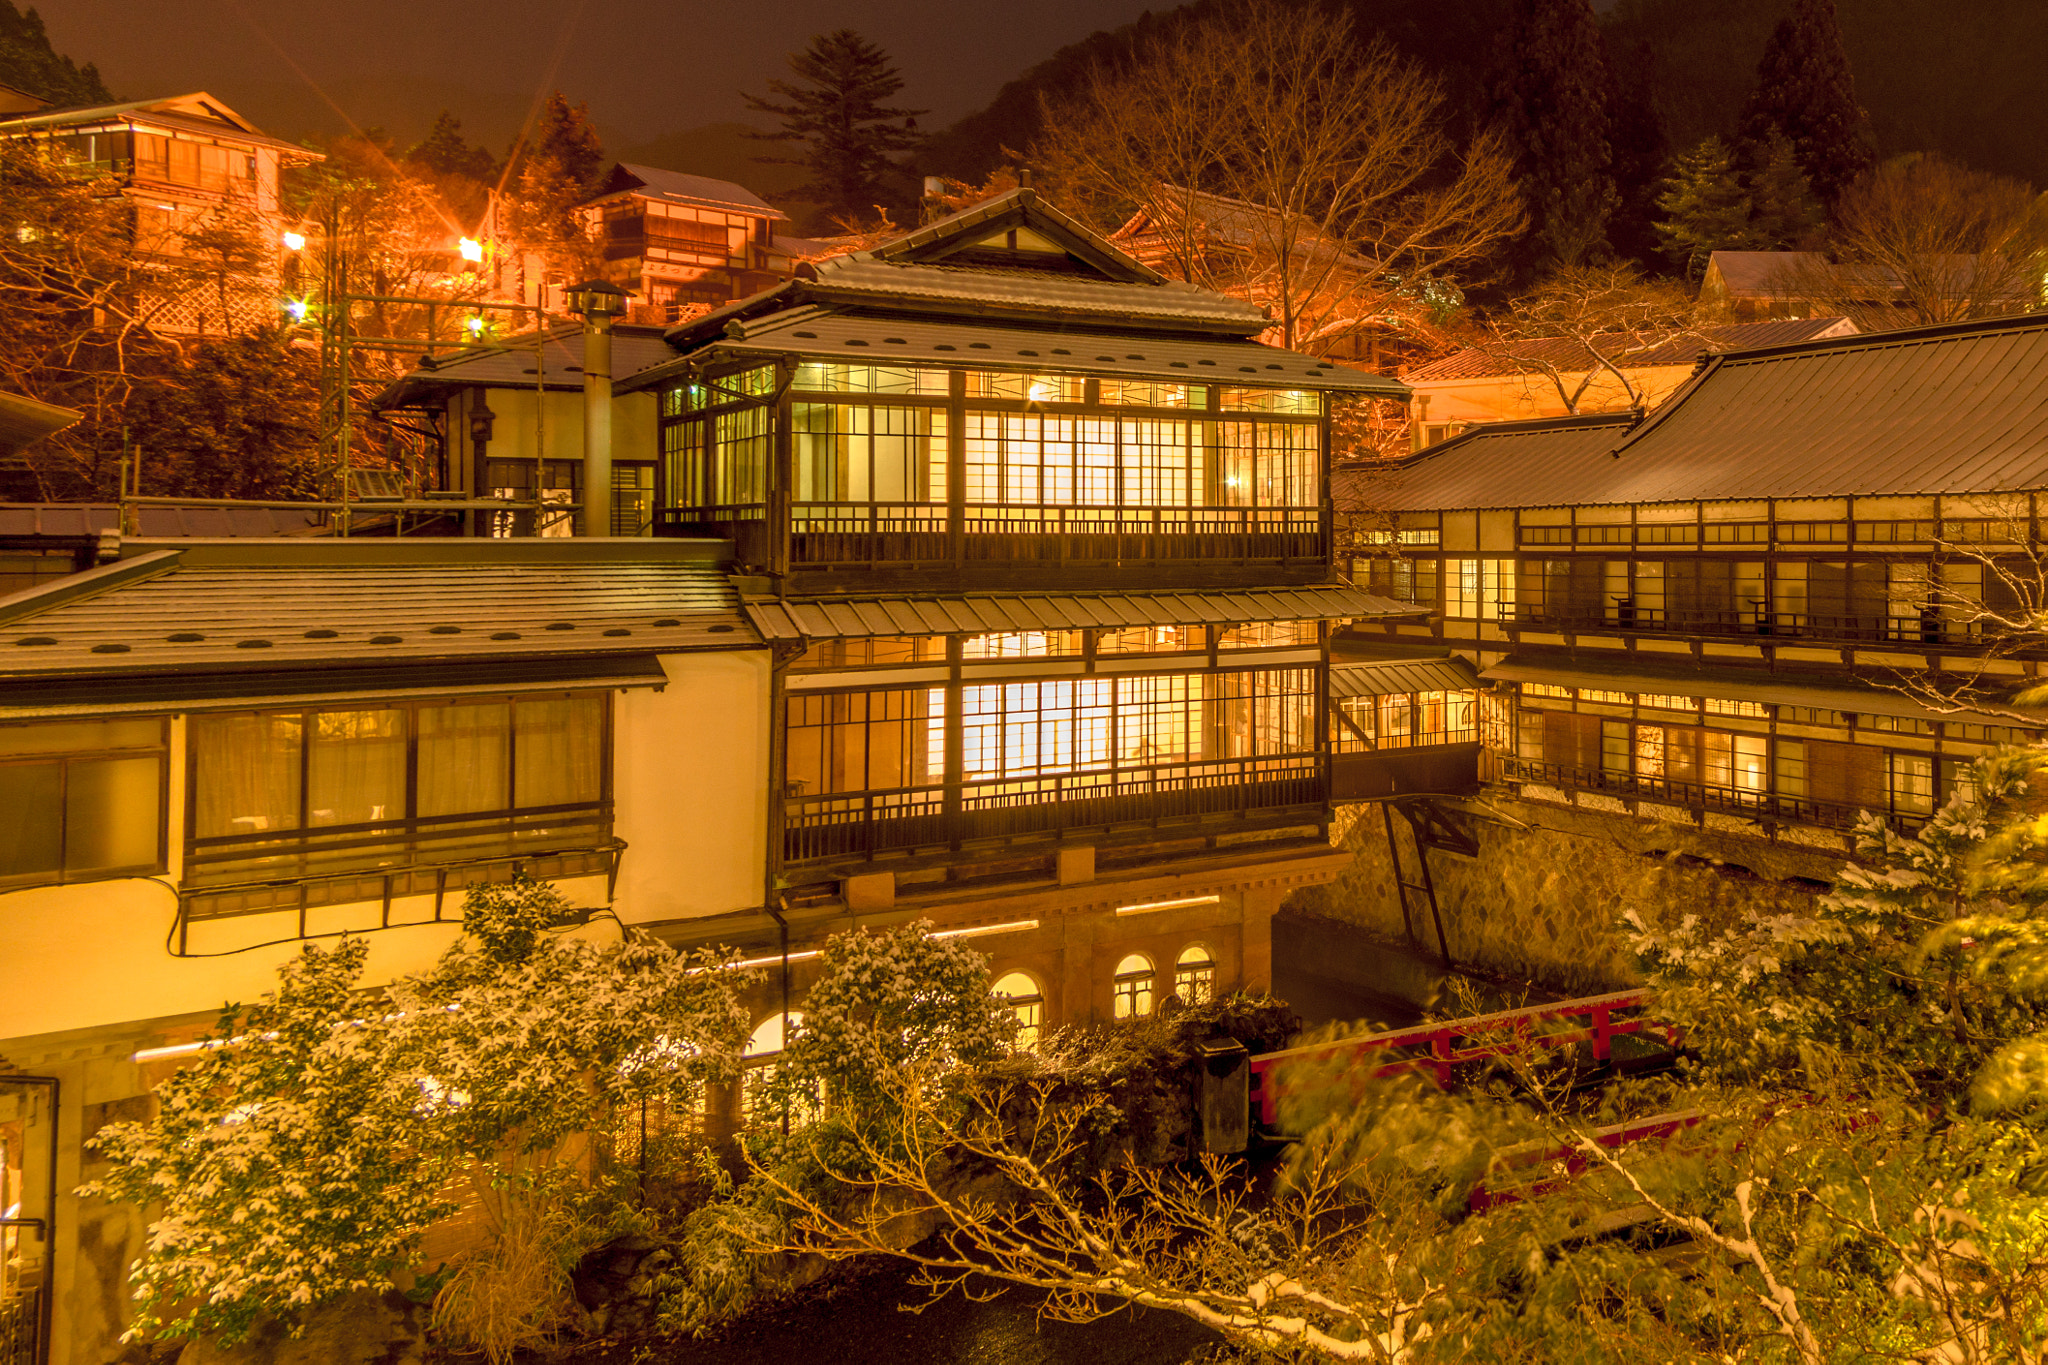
688	787
1544	897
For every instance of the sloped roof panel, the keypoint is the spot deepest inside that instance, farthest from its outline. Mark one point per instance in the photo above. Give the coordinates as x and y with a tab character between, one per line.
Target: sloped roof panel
510	364
1402	675
885	339
862	280
1832	693
1504	464
693	189
997	614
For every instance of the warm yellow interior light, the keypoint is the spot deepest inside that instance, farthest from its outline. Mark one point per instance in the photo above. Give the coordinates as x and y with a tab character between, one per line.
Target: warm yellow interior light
1167	905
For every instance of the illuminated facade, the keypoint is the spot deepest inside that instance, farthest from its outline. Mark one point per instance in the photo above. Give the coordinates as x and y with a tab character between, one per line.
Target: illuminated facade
1042	542
1741	615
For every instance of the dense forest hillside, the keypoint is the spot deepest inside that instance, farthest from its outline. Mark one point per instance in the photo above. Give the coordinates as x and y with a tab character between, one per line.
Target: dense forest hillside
28	63
1961	77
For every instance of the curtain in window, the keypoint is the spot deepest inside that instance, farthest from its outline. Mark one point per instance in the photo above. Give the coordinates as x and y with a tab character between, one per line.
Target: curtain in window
464	758
560	751
246	771
112	813
356	768
32	835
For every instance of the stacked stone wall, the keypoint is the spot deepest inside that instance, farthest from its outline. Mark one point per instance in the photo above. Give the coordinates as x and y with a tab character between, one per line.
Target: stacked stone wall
1543	900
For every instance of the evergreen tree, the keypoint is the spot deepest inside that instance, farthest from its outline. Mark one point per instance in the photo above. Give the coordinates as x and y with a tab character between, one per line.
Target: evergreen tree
444	151
1784	214
1552	96
28	62
1641	155
837	119
1706	208
1806	94
557	169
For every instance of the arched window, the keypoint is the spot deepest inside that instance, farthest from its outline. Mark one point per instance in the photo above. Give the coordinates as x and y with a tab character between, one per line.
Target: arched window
1027	1002
1134	987
758	1057
1194	976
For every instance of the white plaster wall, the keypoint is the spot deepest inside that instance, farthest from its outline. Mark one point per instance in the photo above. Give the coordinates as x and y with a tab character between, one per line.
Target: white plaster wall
690	774
561	430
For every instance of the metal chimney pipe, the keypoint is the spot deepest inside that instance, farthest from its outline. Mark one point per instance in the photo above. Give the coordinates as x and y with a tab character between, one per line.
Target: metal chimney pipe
600	304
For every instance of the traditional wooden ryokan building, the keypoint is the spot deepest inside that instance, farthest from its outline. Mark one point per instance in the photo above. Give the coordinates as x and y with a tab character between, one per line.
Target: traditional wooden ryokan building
994	588
1729	621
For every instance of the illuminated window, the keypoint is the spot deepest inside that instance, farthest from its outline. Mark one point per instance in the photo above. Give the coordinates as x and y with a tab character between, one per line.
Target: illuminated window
1023	644
1026	388
1260	464
1134	987
1546	690
881	379
1663	701
1145	393
1026	1001
1721	706
1911	778
852	452
758	1059
1301	401
1194	976
1027	729
82	799
891	740
1267	635
872	651
1151	640
1608	698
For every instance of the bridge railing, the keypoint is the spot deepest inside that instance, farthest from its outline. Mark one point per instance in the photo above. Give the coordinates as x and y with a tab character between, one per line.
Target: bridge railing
1439	1049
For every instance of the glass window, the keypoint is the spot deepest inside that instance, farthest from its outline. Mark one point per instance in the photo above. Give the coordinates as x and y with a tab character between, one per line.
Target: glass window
81	799
823	377
1194	976
865	741
1260	464
1027	1002
1151	640
250	765
1301	401
758	1058
464	758
850	452
1268	635
1023	644
355	768
1146	393
739	462
1134	987
872	652
1026	387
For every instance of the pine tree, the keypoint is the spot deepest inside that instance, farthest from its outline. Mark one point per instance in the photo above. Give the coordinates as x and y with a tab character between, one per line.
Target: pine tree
1784	214
1706	208
1641	154
845	133
28	62
444	151
556	172
1806	94
1551	97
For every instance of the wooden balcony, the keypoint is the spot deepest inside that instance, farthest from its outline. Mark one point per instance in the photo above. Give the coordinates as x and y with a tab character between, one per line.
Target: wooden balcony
860	824
1425	770
1765	807
1868	627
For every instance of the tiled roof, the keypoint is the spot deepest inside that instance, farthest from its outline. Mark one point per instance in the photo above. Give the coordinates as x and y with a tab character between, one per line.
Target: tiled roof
982	615
1958	409
889	339
1834	691
1380	679
687	189
25	419
861	280
313	604
510	363
1640	350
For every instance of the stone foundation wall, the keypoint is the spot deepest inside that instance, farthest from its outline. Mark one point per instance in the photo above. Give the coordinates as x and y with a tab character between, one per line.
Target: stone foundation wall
1544	897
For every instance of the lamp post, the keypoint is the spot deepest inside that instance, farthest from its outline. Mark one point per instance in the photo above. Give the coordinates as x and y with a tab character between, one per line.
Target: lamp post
599	303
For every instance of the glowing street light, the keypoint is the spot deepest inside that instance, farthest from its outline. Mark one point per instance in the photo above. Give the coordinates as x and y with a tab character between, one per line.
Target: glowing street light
297	309
475	326
471	249
295	241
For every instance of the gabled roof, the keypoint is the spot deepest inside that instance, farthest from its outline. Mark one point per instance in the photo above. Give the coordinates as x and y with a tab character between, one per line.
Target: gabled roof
1218	218
1956	409
197	112
28	419
510	364
187	620
677	187
1637	350
1012	259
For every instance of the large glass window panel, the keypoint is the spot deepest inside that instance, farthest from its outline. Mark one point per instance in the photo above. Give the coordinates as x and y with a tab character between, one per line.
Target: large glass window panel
1300	401
1159	720
864	741
80	736
871	651
559	748
247	770
113	813
848	452
32	834
1154	463
1026	387
464	758
740	461
1035	728
1260	464
822	377
1023	644
356	767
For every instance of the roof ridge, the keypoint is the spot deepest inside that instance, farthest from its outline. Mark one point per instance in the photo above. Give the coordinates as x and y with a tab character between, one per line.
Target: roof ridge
93	582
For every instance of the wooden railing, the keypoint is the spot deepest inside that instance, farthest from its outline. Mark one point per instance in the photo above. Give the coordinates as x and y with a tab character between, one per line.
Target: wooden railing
1698	795
1875	627
839	825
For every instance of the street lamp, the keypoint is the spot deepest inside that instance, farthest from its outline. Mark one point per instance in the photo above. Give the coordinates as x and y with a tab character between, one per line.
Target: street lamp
599	303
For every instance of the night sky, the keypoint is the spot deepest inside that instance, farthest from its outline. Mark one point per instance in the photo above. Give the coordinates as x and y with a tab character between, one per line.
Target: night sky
647	67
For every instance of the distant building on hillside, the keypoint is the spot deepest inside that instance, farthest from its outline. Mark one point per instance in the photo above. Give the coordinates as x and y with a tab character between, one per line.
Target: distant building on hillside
1762	286
187	165
1529	379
